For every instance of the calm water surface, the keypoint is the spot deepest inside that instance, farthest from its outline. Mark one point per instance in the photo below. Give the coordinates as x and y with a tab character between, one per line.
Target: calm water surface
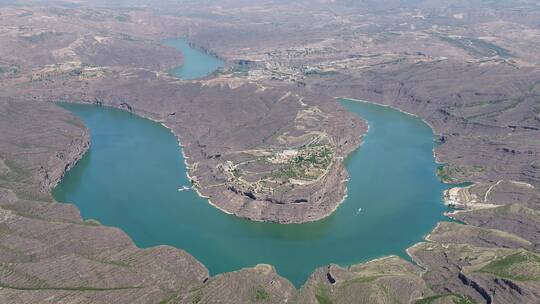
130	176
196	63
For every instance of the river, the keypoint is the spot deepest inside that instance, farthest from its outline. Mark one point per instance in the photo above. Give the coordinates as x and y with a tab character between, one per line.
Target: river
196	64
130	179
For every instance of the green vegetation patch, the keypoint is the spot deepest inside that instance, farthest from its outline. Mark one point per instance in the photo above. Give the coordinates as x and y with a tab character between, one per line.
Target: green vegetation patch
522	266
240	70
196	297
174	297
309	164
444	174
10	70
448	173
123	18
260	294
323	295
359	280
455	298
319	72
477	47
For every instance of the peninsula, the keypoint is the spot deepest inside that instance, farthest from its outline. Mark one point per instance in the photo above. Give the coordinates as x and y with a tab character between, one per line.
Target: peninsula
265	138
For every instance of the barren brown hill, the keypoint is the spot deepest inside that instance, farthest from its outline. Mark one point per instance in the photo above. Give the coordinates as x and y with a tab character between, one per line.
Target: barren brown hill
468	68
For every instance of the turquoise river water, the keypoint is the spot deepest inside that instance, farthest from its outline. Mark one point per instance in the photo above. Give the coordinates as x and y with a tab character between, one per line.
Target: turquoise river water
131	175
196	63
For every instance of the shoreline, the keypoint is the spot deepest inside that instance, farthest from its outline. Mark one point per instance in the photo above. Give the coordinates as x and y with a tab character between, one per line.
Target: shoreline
437	161
446	214
346	180
336	206
148	116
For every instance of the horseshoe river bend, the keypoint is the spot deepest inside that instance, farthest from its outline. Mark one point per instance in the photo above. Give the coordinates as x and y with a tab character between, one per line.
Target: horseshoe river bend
131	175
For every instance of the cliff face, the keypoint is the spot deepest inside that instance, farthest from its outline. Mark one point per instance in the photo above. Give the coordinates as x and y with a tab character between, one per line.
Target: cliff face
470	71
482	114
221	128
48	251
51	174
34	162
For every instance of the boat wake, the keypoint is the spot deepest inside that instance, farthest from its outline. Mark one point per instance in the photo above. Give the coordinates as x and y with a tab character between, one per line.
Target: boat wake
184	188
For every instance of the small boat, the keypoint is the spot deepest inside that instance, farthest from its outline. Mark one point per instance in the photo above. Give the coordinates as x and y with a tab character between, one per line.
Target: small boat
359	210
184	188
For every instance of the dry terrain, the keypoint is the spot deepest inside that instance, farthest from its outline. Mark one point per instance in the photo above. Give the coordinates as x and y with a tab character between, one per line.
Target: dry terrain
265	139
